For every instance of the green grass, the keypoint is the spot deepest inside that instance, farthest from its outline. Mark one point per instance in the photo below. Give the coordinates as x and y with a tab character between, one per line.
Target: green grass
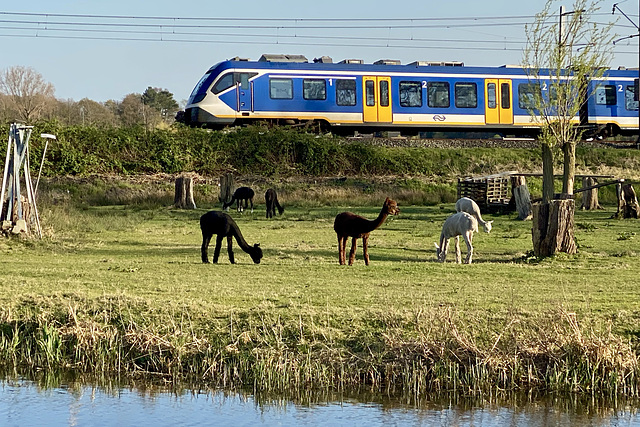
122	288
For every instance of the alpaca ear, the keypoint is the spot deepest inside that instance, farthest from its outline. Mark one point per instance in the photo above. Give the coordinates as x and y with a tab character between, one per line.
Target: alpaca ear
257	245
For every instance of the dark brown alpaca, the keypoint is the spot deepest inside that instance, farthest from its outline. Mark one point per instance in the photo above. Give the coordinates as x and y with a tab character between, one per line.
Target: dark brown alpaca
242	196
222	225
348	224
271	200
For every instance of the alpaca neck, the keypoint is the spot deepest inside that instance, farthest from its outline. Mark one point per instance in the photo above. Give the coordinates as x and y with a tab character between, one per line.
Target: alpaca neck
241	242
379	220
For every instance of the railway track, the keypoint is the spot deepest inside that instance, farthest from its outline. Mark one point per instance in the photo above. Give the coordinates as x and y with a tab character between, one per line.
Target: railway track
479	142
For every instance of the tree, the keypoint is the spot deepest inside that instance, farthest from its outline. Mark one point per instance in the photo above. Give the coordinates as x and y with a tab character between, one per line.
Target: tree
563	57
27	92
162	101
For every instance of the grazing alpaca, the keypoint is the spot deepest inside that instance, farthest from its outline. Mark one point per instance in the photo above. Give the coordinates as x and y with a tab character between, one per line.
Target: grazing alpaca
348	224
458	224
271	199
222	225
241	196
467	205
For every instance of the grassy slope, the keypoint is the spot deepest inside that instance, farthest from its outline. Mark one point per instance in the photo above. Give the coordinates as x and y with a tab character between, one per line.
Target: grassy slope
139	271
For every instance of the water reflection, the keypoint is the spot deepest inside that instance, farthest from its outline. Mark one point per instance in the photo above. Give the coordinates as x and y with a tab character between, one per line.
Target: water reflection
57	401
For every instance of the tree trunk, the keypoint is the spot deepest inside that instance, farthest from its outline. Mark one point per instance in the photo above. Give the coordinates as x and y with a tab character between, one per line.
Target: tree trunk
547	173
553	228
227	185
521	197
627	202
184	193
590	197
569	170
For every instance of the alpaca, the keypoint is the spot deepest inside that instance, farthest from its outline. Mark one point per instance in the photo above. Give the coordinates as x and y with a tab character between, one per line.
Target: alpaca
271	199
458	224
348	224
469	206
222	225
241	196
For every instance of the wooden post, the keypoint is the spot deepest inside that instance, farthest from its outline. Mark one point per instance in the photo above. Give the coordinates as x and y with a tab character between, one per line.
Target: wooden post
627	201
521	196
590	197
553	228
184	193
227	185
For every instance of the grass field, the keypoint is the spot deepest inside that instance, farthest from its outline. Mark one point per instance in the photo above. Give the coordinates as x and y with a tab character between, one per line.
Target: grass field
122	288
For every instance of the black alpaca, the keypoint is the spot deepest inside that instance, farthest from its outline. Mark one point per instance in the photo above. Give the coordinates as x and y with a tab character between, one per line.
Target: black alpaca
271	199
241	196
222	225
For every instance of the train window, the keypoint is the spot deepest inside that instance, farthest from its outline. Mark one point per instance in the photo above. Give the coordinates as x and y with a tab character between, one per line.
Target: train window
629	98
410	94
466	95
527	93
225	82
491	96
231	79
384	93
438	94
314	89
505	96
281	88
345	92
606	95
370	92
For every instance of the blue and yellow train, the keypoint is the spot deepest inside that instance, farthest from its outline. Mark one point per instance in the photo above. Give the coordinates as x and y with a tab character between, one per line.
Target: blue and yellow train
352	96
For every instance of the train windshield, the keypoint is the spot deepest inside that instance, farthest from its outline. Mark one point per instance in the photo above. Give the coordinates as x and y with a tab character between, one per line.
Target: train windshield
200	91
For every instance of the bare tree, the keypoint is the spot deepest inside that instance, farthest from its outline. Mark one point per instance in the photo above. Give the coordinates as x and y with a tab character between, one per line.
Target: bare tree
566	55
26	91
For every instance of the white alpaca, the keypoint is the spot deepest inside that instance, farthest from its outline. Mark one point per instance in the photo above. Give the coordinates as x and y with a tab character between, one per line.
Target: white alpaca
458	224
467	205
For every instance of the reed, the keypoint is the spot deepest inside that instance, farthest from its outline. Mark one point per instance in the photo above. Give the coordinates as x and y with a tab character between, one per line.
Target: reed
435	351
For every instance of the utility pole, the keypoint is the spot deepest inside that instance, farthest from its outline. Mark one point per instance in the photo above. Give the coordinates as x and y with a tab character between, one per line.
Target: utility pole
636	87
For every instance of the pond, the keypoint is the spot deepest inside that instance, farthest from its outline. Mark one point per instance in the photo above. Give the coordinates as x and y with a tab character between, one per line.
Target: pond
27	403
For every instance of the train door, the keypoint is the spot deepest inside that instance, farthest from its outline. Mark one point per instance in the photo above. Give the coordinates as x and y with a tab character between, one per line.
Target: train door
377	99
244	92
498	107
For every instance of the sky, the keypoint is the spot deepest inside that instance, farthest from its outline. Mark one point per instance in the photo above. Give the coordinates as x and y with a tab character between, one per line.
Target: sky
104	50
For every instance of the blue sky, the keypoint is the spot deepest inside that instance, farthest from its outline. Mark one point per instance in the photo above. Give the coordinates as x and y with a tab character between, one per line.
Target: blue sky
108	60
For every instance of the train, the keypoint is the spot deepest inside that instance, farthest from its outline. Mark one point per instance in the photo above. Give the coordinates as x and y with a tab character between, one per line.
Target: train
351	96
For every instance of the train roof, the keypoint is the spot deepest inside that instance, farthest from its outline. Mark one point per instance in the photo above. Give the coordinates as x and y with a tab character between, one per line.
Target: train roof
300	62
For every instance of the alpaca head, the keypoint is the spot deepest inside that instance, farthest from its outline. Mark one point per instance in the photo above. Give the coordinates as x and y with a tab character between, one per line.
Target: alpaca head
256	253
280	209
391	207
487	226
438	251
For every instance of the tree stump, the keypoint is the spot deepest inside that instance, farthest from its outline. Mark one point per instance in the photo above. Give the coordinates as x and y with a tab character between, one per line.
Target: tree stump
184	193
521	197
627	201
553	228
590	197
227	185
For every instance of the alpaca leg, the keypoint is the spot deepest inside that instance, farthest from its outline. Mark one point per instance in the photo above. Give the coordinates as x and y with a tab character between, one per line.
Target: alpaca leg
342	248
216	252
458	254
251	201
468	240
365	249
352	254
230	249
206	239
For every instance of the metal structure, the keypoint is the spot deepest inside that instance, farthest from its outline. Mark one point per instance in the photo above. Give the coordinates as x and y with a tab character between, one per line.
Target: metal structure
18	212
